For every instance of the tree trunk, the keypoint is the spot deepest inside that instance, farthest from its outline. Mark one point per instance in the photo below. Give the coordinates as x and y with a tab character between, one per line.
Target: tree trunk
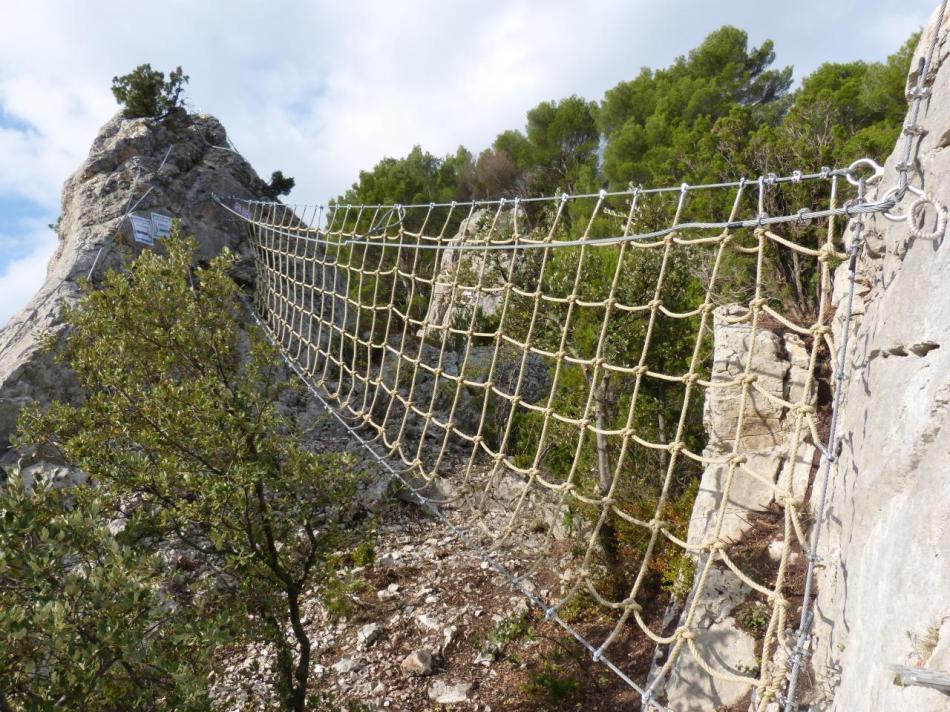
302	671
608	533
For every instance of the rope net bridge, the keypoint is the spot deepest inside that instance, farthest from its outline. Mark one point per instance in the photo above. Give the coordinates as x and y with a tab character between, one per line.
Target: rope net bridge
535	372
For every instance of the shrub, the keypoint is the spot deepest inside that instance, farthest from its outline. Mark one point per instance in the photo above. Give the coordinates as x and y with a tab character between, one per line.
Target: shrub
145	92
182	432
280	184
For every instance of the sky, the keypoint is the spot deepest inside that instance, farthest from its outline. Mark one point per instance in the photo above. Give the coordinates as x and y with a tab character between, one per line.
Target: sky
321	90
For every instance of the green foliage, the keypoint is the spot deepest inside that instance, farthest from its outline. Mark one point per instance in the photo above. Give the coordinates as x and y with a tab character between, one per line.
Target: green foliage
280	184
753	617
560	143
718	113
420	177
145	92
182	434
513	628
659	126
84	622
554	684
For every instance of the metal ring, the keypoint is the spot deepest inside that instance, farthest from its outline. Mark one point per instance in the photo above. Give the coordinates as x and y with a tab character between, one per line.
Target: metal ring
916	215
894	214
874	165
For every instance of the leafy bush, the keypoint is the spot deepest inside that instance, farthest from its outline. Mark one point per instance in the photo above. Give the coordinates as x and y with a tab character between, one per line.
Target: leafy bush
83	624
144	92
181	432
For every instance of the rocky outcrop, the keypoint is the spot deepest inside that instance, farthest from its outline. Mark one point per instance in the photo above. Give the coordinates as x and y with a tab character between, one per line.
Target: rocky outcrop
179	162
884	577
780	365
453	295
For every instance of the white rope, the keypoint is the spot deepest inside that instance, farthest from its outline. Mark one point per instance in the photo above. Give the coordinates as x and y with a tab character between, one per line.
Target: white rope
327	298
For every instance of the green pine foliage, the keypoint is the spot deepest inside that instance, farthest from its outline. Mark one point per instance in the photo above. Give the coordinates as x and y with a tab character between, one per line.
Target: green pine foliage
721	112
144	92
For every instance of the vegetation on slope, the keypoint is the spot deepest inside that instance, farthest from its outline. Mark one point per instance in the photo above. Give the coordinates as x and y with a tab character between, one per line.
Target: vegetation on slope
203	522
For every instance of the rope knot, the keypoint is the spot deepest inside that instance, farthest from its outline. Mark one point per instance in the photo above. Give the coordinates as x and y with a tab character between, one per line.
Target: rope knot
758	303
656	524
779	601
717	545
820	330
685	634
790	501
691	378
631	604
749	379
826	253
655	303
738	459
804	409
640	370
675	448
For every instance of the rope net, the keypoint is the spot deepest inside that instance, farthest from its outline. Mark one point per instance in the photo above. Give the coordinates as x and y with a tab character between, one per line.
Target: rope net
537	370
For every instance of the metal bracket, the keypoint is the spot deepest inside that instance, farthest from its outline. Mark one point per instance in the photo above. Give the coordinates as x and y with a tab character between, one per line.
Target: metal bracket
922	677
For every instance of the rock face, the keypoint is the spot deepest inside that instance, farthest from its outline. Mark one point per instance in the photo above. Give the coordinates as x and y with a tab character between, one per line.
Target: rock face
780	365
883	577
125	162
468	269
884	582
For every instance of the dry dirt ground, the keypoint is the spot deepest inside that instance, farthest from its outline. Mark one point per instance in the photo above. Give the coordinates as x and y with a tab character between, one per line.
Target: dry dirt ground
422	591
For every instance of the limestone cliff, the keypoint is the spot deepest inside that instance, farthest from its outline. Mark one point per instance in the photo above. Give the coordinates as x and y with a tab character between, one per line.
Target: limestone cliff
884	579
124	163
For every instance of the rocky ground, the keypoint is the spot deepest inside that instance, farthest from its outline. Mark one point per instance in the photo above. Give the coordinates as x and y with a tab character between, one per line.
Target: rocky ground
429	625
419	621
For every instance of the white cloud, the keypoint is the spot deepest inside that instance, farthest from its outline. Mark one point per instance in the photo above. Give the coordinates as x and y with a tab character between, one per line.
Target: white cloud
323	89
22	277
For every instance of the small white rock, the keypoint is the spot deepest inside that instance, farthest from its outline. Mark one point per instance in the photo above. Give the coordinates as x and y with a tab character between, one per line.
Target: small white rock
444	694
427	621
348	664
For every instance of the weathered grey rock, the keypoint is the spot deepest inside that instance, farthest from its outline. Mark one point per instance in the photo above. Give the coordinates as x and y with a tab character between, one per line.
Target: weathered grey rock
734	342
780	365
368	635
884	583
348	664
454	296
124	162
721	642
